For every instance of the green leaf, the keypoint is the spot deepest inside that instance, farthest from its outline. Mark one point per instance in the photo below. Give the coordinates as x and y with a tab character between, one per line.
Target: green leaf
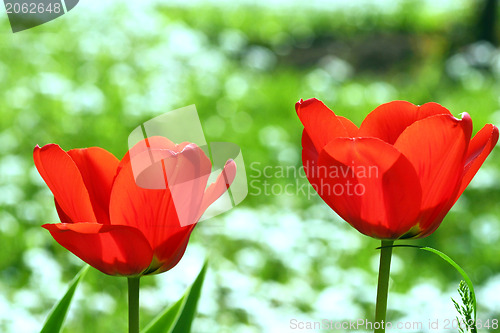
58	313
166	320
460	270
179	317
452	263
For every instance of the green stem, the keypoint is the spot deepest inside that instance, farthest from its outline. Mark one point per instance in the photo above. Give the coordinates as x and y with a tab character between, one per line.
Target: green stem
383	285
133	305
473	328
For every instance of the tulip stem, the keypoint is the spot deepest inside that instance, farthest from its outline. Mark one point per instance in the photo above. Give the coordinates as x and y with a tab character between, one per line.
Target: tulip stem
133	305
383	286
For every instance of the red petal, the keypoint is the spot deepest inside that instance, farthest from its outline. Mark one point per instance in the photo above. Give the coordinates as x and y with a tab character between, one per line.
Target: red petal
156	212
352	130
309	158
144	209
479	148
320	123
170	252
112	249
436	147
63	178
149	153
389	120
369	184
62	215
217	188
98	169
149	150
187	173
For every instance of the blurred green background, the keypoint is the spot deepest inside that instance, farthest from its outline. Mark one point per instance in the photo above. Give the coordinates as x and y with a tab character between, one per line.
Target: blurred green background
92	76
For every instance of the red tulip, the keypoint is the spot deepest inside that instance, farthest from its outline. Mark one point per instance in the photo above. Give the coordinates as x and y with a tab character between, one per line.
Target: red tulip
112	223
400	172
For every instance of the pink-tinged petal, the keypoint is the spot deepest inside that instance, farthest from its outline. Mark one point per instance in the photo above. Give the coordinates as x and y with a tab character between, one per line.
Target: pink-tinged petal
389	120
363	179
112	249
187	173
320	123
436	146
156	212
63	178
141	208
480	147
98	169
155	146
150	152
154	142
217	188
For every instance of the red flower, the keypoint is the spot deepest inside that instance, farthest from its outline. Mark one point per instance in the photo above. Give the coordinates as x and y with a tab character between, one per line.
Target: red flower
115	225
399	173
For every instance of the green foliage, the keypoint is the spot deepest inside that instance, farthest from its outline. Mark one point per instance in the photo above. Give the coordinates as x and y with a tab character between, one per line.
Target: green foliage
179	317
55	319
457	267
468	282
465	310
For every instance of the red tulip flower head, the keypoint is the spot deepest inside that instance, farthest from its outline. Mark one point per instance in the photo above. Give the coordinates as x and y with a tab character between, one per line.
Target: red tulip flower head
117	226
400	172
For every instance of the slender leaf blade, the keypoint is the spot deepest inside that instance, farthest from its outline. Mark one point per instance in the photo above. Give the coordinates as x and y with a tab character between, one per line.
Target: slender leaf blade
178	318
166	320
450	261
188	313
55	319
459	269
